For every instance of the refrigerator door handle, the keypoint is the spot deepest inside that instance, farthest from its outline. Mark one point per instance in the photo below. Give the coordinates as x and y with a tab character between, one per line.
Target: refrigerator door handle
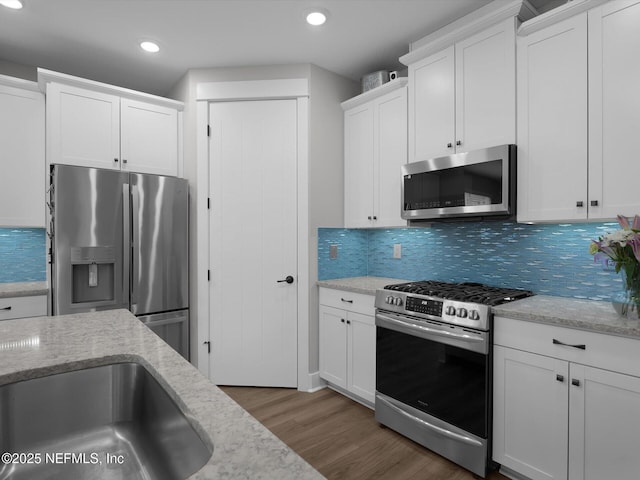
135	245
126	239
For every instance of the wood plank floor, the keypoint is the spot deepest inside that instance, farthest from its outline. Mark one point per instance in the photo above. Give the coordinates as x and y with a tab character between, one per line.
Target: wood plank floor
341	438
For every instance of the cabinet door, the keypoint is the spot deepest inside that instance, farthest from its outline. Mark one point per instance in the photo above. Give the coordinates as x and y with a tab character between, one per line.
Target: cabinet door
361	366
83	127
333	345
604	428
552	122
358	166
486	88
614	102
432	106
530	413
22	183
149	138
391	154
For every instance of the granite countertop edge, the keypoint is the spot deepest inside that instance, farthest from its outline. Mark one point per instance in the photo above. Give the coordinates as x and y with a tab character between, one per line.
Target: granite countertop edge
242	446
23	289
366	285
581	314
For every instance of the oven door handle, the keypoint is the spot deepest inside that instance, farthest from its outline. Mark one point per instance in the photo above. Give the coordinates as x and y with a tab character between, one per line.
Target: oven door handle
432	331
442	431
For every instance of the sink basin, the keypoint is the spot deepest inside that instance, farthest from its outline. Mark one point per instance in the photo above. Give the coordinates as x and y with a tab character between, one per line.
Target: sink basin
110	422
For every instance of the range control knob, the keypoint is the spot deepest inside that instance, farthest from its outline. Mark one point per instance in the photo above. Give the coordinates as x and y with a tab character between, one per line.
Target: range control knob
474	315
397	301
451	310
461	312
389	299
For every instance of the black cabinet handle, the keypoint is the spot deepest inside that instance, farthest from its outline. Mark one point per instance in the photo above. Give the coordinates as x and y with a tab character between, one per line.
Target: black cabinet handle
6	308
289	279
115	160
342	320
458	143
558	342
575	381
449	145
346	301
579	204
560	378
594	203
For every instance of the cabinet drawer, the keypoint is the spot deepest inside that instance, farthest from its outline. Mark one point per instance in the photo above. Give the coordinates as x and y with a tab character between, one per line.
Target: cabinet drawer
353	302
610	352
21	307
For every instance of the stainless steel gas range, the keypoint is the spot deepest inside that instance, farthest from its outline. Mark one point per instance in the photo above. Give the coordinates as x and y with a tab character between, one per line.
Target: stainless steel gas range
434	363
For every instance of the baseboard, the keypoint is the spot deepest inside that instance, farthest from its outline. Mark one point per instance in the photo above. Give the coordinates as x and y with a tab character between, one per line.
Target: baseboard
313	383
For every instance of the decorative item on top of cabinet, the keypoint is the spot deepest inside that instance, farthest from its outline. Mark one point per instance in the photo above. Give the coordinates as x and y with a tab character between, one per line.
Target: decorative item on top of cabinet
348	343
22	183
566	402
575	86
375	147
92	124
463	97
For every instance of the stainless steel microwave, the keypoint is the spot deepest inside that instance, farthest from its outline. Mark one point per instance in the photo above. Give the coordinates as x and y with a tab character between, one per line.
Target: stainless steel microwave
472	184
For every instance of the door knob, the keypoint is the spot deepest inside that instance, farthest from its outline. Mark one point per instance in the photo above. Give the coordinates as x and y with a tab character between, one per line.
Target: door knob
289	279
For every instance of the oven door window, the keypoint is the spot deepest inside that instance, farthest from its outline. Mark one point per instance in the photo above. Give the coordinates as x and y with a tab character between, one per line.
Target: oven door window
465	186
446	382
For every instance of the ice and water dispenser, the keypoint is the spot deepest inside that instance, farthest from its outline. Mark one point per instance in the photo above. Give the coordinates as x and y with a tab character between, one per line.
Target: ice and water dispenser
93	271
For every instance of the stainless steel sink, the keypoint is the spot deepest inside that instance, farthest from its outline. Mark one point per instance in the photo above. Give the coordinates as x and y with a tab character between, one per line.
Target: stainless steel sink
109	422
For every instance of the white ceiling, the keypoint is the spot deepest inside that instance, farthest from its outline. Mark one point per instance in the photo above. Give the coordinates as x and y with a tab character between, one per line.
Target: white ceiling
98	39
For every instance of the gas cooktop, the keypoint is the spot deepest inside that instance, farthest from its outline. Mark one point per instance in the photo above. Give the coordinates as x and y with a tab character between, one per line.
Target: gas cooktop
464	292
464	304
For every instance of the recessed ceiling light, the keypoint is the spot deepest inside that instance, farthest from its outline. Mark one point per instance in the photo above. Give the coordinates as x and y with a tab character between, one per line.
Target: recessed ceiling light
150	47
316	17
15	4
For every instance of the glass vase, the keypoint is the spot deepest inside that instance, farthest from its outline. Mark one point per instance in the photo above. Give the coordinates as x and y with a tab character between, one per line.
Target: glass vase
627	302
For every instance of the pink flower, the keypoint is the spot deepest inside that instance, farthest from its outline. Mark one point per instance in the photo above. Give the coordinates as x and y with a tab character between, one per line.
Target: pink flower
635	245
636	223
624	222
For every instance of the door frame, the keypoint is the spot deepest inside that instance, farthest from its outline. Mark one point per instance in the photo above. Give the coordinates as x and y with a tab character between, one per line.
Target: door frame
210	92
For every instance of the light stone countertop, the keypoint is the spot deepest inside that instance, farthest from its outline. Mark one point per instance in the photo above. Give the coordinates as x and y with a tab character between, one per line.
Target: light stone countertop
570	312
23	289
242	447
565	312
365	285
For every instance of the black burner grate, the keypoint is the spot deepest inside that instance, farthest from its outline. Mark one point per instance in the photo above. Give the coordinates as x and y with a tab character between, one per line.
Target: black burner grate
463	292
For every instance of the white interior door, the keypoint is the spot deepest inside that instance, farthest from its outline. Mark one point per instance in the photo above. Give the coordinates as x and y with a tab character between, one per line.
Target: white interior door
253	241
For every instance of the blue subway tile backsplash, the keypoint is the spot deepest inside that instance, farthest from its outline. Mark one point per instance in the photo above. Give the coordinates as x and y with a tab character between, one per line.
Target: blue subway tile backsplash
548	259
22	255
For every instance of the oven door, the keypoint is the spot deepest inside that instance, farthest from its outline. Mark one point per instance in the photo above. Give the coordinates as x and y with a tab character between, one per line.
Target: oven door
441	370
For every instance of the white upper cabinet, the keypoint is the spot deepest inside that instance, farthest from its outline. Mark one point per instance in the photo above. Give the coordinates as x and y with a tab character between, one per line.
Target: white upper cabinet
614	109
22	182
91	124
462	97
578	100
375	149
148	138
552	122
83	127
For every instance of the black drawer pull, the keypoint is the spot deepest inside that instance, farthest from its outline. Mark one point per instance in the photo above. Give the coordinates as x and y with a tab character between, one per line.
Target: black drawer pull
560	378
6	308
575	381
558	342
346	301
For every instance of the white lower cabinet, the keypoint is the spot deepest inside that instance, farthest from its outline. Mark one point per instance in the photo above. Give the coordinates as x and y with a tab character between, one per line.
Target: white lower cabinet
23	307
348	343
557	418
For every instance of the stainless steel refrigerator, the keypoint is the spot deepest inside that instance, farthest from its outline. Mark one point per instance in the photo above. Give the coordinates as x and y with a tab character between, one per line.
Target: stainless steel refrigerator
120	240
